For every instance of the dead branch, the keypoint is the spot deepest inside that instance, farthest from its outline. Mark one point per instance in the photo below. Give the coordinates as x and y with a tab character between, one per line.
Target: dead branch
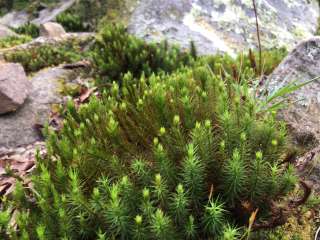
306	194
81	64
303	161
279	215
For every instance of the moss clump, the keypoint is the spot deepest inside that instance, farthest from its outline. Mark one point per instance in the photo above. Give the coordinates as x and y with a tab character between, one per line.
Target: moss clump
36	58
71	22
174	150
29	29
116	52
96	14
12	41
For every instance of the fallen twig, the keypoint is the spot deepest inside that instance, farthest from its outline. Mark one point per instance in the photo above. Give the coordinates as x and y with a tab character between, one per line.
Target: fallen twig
279	215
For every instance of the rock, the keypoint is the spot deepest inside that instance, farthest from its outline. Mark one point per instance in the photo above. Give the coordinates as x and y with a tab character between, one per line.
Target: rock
15	19
225	25
51	30
303	116
301	65
19	18
14	87
18	128
49	14
6	32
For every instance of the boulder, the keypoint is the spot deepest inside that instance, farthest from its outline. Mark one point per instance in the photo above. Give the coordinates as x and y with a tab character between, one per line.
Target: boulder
302	64
14	87
225	25
303	115
6	32
15	19
51	30
18	128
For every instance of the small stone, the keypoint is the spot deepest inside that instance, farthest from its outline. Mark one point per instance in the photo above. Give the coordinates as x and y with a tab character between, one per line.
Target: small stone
14	87
51	30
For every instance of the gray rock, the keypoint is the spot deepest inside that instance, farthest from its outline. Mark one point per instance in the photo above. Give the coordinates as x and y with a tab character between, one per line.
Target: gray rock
301	65
6	32
215	26
15	19
14	87
49	14
303	116
19	18
18	128
51	30
225	25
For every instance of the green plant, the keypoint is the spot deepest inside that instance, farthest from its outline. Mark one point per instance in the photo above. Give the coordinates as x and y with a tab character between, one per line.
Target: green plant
71	22
139	163
111	67
36	58
116	52
14	40
28	29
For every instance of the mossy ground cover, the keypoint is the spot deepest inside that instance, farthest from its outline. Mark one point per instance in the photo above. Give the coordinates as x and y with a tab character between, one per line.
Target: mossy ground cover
12	41
28	29
35	58
90	16
175	146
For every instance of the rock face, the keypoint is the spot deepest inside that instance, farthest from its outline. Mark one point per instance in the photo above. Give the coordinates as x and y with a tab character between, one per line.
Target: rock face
14	87
51	30
215	25
6	32
15	19
18	128
301	65
225	25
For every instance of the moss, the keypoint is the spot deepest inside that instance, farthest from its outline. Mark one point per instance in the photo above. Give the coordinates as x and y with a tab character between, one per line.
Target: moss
69	89
116	52
91	16
117	12
36	58
71	22
28	29
299	227
176	146
14	40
